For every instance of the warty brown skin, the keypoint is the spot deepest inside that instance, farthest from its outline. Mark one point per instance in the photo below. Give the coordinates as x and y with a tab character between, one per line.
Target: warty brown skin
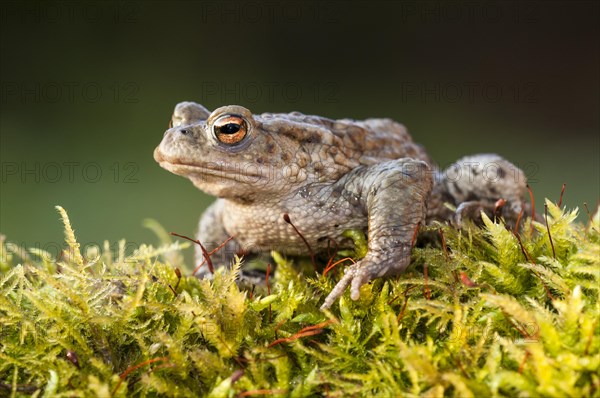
328	176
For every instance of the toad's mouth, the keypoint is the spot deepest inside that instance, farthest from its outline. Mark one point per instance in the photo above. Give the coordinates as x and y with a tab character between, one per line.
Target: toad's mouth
249	172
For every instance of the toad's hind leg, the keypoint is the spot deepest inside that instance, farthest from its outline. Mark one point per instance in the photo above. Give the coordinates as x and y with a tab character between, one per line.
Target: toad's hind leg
394	194
475	184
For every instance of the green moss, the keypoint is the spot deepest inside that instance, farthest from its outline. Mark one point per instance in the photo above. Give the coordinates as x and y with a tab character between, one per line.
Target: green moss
489	316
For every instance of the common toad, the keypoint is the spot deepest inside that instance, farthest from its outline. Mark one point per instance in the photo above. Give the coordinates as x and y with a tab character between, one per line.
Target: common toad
328	176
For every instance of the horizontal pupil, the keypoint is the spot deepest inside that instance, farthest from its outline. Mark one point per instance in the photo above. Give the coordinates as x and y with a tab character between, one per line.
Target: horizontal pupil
229	128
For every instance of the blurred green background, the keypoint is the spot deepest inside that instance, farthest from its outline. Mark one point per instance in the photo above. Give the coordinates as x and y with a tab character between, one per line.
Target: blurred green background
88	89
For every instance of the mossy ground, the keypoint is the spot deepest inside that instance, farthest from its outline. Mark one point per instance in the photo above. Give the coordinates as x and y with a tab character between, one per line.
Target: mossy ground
487	316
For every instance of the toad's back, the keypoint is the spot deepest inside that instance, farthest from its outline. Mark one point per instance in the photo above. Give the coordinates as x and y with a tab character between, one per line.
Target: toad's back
362	142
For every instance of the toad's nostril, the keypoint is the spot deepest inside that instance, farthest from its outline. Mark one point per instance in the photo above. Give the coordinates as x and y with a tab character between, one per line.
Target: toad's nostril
184	132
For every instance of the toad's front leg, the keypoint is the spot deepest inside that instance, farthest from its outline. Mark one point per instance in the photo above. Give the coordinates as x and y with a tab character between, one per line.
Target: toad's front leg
394	195
212	234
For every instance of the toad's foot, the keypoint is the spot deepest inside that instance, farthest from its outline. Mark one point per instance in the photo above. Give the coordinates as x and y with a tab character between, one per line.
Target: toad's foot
510	212
367	269
394	195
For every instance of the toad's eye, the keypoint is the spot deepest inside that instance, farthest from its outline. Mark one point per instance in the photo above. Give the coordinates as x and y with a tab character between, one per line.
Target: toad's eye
230	129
